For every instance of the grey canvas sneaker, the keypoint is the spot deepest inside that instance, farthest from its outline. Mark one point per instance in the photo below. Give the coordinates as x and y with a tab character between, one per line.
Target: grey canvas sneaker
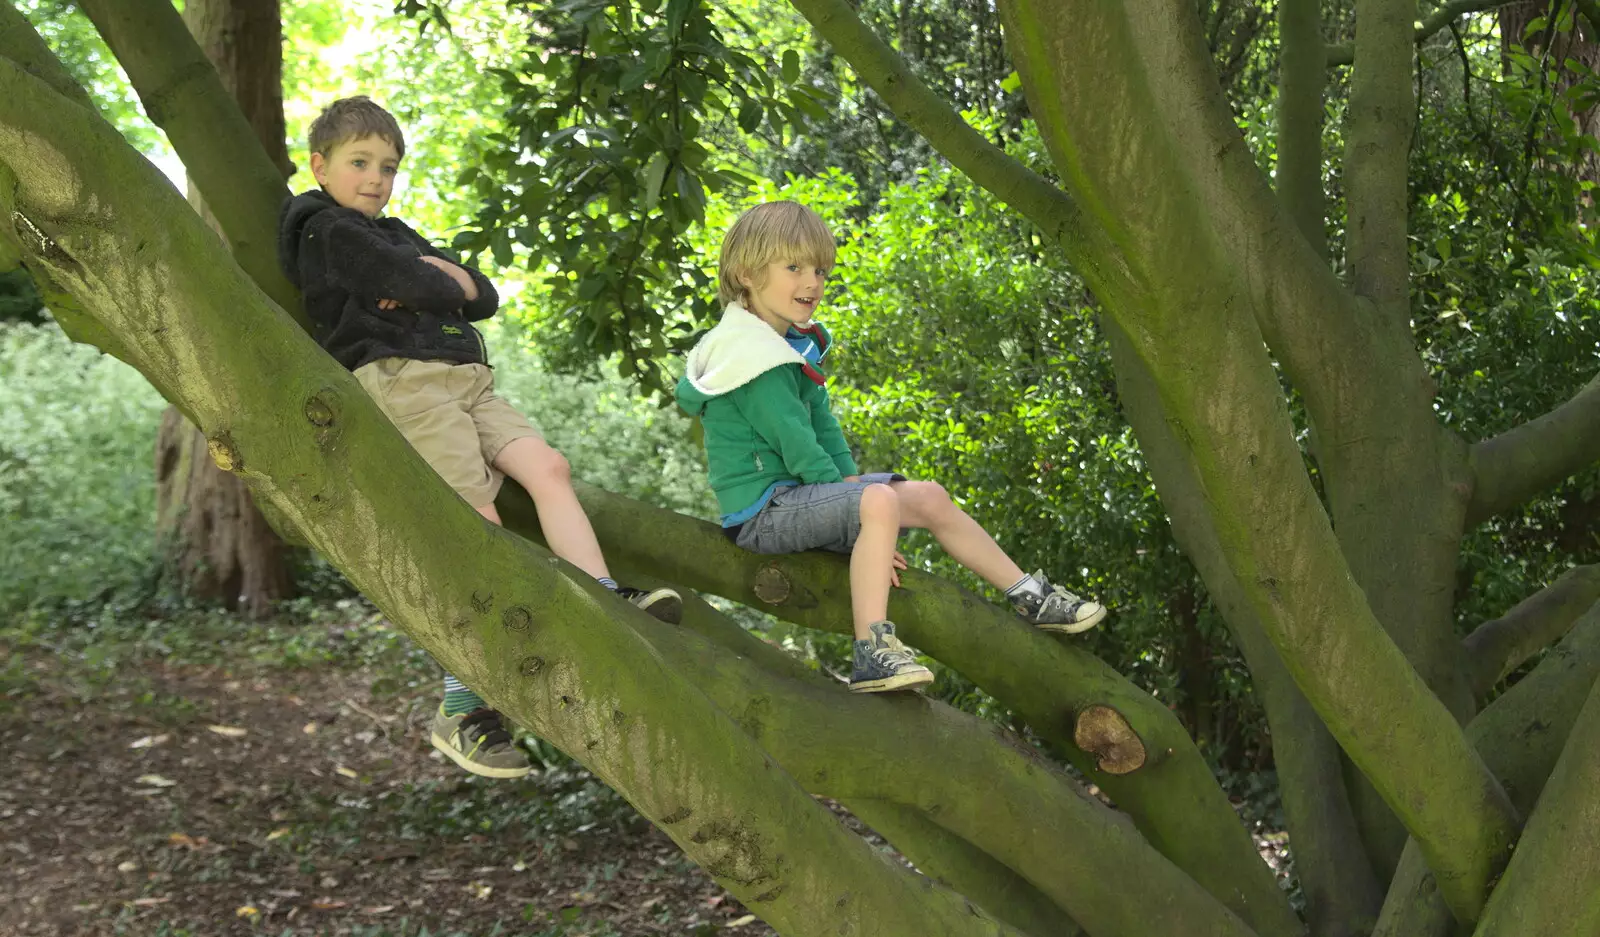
1056	609
662	604
478	741
883	664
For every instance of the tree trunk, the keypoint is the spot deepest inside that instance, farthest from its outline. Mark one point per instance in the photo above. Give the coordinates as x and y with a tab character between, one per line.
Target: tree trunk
220	546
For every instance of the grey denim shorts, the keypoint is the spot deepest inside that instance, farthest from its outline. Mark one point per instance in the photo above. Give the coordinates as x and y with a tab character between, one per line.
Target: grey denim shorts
825	516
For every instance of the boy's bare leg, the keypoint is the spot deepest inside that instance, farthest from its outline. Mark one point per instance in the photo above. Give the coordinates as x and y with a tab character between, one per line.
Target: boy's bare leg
872	559
928	505
545	474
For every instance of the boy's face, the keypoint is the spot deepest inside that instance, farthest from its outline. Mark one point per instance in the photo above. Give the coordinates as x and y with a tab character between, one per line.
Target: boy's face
786	292
359	173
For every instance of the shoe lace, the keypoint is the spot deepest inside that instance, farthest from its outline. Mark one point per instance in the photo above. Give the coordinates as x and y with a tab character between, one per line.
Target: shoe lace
484	727
892	654
1060	596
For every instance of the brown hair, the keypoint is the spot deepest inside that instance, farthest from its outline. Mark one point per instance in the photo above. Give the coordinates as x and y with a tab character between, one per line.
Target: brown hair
353	119
766	233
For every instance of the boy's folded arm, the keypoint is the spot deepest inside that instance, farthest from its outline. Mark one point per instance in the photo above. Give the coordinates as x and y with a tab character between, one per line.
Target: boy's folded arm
781	418
487	301
831	437
361	262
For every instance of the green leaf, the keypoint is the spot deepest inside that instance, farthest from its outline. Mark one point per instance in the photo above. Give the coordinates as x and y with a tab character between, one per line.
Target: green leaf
634	78
791	66
500	244
1011	83
655	174
692	194
750	116
677	12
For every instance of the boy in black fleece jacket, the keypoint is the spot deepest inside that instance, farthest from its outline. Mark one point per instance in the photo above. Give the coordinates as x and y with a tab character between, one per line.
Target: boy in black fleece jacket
396	311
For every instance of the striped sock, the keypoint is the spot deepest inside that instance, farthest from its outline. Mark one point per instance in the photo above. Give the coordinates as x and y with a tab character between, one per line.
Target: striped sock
607	581
458	699
1027	584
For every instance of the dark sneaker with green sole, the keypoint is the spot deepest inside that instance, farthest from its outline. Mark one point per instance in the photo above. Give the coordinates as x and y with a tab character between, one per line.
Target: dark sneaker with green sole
883	664
478	741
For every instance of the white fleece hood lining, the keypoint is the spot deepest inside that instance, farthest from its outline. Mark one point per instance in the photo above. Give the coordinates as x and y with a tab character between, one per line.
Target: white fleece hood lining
740	349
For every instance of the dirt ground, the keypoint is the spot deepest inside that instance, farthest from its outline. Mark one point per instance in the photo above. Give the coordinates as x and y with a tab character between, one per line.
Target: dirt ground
147	797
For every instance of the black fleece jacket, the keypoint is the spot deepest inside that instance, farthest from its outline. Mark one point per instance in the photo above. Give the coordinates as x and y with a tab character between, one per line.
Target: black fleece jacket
344	262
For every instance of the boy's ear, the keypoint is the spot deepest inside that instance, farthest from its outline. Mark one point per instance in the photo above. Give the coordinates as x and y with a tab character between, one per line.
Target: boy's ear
319	167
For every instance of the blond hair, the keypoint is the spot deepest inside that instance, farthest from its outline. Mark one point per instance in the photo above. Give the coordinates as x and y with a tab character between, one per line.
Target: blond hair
353	119
767	233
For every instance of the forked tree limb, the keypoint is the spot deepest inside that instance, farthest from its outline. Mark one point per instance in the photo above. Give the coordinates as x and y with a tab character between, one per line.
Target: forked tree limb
1497	647
1528	460
184	96
1520	735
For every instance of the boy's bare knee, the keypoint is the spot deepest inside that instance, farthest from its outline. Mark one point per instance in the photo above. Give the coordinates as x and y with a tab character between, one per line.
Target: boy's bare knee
880	503
533	463
554	466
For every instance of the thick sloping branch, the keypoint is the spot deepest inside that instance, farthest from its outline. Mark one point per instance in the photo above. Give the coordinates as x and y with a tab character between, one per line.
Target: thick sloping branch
1377	133
185	97
26	48
932	758
1174	798
1342	893
1382	453
956	863
1520	735
1553	880
554	651
1495	648
1301	78
1519	464
20	43
1193	321
1437	20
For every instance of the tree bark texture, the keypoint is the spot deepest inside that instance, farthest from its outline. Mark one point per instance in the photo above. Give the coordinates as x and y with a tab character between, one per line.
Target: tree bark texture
218	543
1520	735
1172	797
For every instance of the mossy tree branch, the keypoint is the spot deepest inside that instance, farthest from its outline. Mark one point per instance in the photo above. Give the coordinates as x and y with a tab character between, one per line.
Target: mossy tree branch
1173	798
23	46
1522	462
1301	79
1495	648
185	97
933	759
1553	882
1520	735
1196	302
879	67
1378	134
1343	895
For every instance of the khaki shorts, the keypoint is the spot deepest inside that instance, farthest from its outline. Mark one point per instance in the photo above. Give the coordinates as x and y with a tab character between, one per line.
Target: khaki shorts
450	414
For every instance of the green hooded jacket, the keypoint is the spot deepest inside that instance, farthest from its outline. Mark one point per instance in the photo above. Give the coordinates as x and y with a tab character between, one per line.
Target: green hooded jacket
764	410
